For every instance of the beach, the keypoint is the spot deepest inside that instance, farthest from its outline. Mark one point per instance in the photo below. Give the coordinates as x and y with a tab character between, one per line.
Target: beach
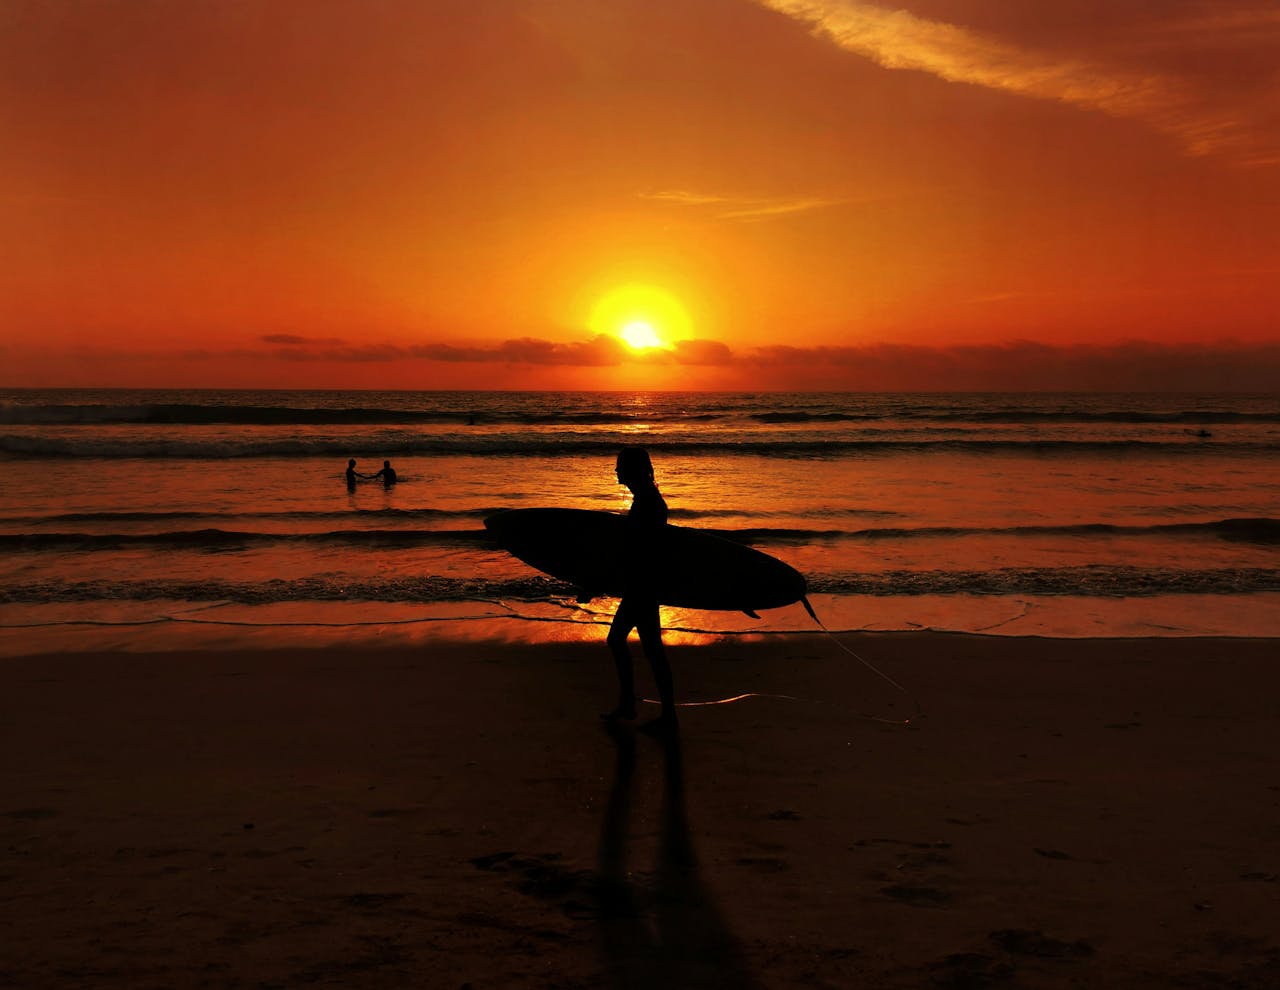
1060	812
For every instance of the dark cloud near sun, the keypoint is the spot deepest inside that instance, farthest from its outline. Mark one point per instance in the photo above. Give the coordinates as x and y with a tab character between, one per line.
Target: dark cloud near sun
293	340
702	352
600	351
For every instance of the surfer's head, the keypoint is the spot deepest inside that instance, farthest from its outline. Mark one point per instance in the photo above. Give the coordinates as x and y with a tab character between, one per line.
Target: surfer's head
634	466
351	463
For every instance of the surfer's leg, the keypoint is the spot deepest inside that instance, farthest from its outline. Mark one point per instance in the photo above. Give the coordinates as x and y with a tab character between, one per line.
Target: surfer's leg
617	640
649	626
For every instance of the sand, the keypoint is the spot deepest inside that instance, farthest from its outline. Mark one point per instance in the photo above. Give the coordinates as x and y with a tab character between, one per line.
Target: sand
1088	813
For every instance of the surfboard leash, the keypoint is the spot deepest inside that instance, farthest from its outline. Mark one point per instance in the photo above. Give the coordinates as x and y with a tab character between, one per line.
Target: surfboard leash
917	711
915	704
736	697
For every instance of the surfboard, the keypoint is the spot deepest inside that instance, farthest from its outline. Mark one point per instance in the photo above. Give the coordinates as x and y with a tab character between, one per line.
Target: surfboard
603	553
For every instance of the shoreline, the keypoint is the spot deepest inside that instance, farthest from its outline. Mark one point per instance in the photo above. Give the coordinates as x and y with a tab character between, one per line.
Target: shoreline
150	626
1065	812
593	639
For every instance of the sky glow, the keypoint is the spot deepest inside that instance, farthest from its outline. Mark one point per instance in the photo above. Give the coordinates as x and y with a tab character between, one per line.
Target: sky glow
441	194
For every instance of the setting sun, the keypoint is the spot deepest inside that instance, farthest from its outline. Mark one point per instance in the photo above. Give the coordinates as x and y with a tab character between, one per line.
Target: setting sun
644	316
640	335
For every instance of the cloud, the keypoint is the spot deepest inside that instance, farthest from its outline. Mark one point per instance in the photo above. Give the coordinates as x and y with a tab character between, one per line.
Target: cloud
702	353
602	350
685	197
1030	366
599	351
742	208
295	340
897	39
1013	366
362	354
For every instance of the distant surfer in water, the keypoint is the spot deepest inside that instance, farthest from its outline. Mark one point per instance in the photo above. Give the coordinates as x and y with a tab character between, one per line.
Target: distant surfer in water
352	474
387	474
639	610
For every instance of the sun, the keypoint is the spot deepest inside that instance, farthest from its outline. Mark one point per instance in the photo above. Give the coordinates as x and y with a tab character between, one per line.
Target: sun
644	316
640	335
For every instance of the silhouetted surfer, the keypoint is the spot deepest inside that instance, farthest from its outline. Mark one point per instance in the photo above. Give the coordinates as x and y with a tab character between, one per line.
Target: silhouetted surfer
387	474
639	610
352	474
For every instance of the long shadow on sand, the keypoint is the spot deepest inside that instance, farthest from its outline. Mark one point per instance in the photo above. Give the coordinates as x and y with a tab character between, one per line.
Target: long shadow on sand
670	933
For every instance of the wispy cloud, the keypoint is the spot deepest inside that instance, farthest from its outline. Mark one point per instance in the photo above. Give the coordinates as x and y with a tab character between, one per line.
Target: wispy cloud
742	208
898	39
683	197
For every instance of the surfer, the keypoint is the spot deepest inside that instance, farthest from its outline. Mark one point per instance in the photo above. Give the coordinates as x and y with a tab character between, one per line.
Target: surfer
387	474
639	610
352	474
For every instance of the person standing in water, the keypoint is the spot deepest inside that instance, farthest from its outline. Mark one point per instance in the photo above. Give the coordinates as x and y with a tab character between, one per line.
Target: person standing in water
352	474
638	609
387	474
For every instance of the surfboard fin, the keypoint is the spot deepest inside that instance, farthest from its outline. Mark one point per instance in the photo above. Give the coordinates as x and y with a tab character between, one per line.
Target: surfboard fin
809	608
747	611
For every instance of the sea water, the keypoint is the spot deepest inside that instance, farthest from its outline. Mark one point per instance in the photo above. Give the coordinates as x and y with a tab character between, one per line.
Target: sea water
134	518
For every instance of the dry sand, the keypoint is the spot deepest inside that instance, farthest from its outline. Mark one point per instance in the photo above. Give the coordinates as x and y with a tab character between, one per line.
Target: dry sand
1065	813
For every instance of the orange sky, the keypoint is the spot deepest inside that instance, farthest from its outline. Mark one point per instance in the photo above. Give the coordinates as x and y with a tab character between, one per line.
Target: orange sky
832	193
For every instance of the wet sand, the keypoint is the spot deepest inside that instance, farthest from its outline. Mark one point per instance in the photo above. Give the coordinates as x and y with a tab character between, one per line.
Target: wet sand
1101	813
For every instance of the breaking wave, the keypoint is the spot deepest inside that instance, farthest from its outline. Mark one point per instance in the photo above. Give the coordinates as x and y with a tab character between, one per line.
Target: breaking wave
1084	581
521	410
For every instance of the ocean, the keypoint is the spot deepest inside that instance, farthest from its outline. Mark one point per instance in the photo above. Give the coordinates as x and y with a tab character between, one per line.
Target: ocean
138	518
